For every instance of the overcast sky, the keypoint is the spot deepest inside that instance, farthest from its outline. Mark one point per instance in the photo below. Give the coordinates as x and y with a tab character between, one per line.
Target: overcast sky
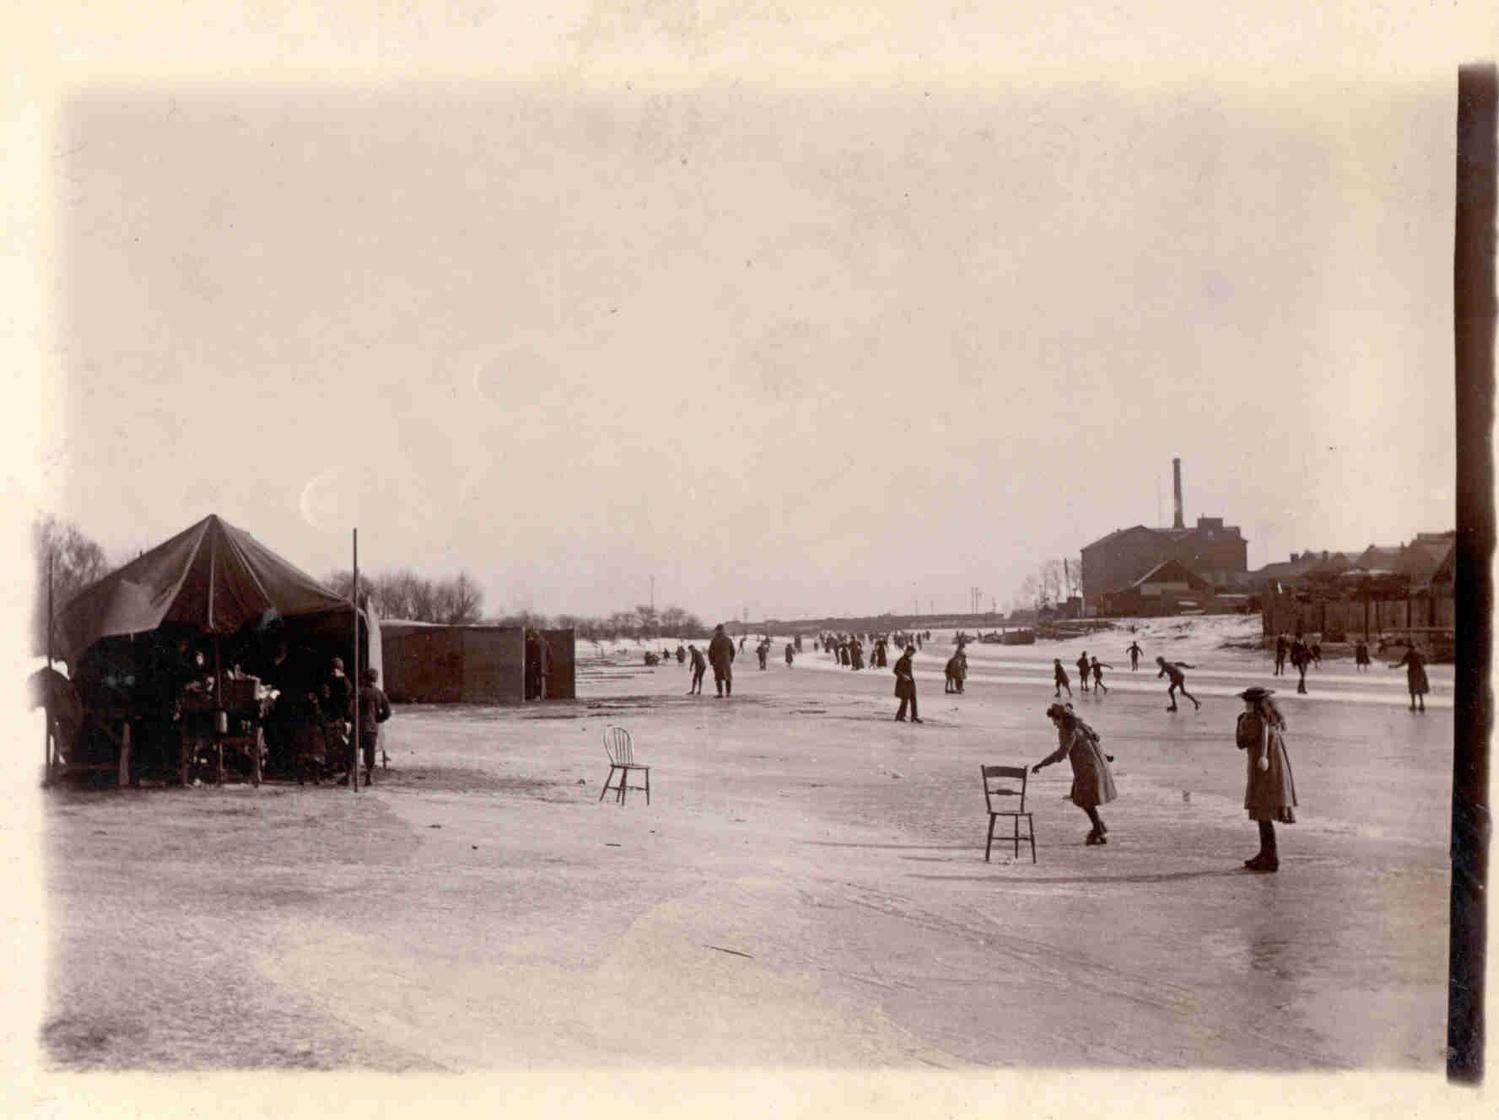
803	353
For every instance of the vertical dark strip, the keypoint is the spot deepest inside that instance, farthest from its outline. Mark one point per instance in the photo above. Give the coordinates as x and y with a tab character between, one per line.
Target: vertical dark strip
1473	331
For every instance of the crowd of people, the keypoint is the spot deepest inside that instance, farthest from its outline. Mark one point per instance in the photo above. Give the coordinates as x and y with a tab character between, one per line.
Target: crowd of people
182	698
1270	792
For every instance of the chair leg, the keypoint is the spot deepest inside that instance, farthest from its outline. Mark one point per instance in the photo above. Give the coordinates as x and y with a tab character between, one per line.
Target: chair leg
1030	824
1017	835
647	787
607	780
624	784
989	840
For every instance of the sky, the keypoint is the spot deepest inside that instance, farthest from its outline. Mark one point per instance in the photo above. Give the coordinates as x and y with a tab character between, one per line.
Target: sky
794	352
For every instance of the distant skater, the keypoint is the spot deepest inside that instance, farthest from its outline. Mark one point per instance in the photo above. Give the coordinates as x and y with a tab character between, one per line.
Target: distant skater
1134	652
799	643
1282	647
856	654
1082	671
1270	792
789	654
681	654
1415	676
1173	669
721	657
1316	652
1098	668
762	652
1092	780
699	667
1059	675
905	685
1300	658
1361	657
954	673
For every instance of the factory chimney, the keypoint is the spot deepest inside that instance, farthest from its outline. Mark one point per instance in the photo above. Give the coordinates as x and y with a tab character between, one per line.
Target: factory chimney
1176	480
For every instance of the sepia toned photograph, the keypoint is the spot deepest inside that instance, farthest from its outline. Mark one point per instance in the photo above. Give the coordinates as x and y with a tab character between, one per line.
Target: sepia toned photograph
952	570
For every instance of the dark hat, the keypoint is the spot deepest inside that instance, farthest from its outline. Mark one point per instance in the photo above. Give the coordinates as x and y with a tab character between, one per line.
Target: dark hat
1256	693
910	649
1056	711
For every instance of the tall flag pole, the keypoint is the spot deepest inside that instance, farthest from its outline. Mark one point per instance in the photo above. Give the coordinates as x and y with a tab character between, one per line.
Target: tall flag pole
354	594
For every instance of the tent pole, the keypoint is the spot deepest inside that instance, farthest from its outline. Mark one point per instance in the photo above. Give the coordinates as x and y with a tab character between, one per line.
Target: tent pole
354	594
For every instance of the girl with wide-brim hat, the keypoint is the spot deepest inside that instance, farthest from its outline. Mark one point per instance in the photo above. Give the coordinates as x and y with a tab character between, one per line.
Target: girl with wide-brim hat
1270	791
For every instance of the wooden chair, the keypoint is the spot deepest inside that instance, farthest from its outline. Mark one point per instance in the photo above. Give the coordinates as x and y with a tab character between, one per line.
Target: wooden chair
621	761
1007	774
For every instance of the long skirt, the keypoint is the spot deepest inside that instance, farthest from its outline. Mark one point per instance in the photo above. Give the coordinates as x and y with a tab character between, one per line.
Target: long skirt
1415	679
1270	795
1092	780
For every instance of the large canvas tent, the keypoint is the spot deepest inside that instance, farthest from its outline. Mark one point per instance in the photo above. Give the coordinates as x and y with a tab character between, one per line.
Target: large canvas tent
212	578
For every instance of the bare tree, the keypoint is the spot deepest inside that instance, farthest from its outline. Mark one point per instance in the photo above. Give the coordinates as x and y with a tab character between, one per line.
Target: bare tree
76	562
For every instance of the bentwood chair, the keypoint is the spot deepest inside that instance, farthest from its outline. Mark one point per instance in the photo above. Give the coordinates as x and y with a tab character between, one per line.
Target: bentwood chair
622	761
1005	777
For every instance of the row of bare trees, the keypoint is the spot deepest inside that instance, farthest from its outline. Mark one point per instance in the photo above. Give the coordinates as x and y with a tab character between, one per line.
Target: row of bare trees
1053	583
456	600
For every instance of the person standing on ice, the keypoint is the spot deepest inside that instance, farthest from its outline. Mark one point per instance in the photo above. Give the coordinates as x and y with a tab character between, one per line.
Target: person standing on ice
1361	656
1281	648
789	654
1173	669
721	657
1270	792
1098	667
699	667
1134	652
762	651
1082	670
1059	675
905	685
1092	780
1415	675
1301	657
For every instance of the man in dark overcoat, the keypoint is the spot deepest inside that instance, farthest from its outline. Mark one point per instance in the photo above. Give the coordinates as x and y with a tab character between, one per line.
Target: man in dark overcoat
905	685
721	657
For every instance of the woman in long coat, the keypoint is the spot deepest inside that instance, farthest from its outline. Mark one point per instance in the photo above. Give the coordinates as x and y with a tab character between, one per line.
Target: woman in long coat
1415	676
1270	791
1092	780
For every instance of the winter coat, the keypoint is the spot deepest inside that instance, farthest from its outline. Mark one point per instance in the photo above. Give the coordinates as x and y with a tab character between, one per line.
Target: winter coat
1269	795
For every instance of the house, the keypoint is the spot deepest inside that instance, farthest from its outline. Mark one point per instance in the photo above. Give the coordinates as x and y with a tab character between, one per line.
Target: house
1213	551
1171	587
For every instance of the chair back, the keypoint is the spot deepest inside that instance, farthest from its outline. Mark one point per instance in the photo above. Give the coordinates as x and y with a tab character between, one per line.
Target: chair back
999	782
617	746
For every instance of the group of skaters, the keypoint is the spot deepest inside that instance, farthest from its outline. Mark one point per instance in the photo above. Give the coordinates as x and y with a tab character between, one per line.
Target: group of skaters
1092	668
1304	654
850	650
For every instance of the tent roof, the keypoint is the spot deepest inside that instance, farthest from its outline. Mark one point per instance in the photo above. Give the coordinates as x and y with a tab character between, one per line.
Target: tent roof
211	576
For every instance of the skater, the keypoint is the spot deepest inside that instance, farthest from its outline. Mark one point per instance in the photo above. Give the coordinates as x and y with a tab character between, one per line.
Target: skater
1082	670
1269	793
905	685
1059	675
855	654
1316	654
721	657
799	644
1134	652
699	667
1300	658
1173	669
681	654
789	654
1361	657
1415	676
1098	668
762	652
1282	647
1092	781
842	652
954	672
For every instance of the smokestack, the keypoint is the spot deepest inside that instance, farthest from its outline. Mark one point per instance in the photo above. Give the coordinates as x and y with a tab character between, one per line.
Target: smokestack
1176	481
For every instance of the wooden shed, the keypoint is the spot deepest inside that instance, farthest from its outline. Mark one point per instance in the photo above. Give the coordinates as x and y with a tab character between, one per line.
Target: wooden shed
428	663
